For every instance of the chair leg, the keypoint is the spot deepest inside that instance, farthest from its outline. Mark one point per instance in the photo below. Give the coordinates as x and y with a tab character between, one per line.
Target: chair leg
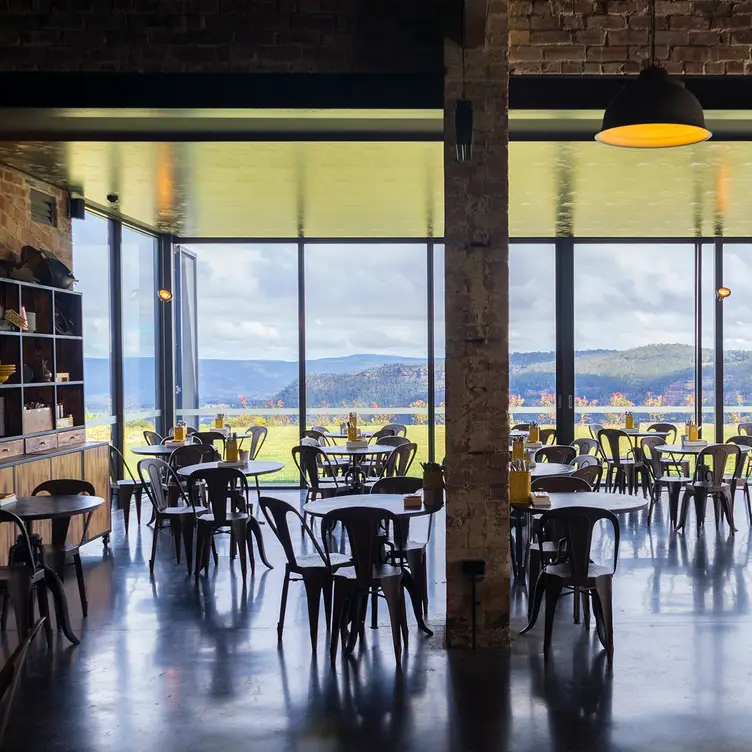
586	608
81	583
186	529
4	617
239	528
749	504
138	499
395	601
214	553
155	536
175	528
338	615
603	591
44	610
283	605
200	555
19	590
328	602
313	586
553	591
254	529
536	599
374	608
124	497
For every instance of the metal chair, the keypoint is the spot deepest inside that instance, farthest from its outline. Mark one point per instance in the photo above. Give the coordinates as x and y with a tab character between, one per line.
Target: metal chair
152	438
398	428
352	585
548	436
669	463
745	429
311	568
595	429
743	479
178	509
311	461
561	454
61	554
591	474
210	438
584	460
574	569
661	479
587	446
123	489
623	466
521	427
560	484
382	433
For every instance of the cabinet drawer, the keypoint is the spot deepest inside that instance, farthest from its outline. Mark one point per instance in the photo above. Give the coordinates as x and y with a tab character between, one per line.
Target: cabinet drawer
71	438
41	443
11	449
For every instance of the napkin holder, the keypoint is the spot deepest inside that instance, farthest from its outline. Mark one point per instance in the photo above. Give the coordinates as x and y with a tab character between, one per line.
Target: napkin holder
541	499
520	482
357	444
412	501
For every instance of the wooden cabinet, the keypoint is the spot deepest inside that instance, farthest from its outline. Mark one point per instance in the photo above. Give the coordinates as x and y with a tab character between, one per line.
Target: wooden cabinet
28	476
97	472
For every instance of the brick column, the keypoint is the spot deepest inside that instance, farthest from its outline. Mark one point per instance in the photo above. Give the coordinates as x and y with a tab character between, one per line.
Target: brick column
477	357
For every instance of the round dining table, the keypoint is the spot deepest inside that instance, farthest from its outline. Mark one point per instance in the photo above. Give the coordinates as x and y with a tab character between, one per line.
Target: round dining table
393	504
695	450
156	450
59	510
356	455
340	435
252	468
618	503
548	469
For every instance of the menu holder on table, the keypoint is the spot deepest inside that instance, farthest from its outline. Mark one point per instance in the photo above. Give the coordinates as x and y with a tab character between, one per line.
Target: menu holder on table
231	463
412	501
541	499
7	498
357	444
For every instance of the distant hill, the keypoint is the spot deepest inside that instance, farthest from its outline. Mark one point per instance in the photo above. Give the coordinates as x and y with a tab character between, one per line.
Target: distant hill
664	369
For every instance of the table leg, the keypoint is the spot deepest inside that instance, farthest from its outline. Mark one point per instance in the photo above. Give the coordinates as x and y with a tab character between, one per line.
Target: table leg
518	544
417	601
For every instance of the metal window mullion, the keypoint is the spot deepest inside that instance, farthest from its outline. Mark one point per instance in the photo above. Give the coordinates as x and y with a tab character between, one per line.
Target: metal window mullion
430	330
718	343
302	397
116	316
564	294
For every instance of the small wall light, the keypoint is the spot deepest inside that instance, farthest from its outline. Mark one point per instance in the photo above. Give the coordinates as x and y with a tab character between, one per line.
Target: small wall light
165	296
722	293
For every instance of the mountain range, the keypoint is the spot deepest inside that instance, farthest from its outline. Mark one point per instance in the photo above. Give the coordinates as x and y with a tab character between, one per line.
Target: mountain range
663	369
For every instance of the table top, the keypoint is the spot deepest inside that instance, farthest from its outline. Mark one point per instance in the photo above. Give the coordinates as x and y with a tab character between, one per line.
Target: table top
514	434
613	502
335	435
679	449
370	449
547	469
393	503
636	432
52	507
253	467
157	450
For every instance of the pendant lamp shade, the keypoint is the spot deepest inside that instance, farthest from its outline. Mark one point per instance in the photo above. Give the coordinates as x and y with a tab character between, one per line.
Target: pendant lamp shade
655	111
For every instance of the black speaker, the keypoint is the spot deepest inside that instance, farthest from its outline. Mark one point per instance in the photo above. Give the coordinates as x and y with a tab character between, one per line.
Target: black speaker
77	208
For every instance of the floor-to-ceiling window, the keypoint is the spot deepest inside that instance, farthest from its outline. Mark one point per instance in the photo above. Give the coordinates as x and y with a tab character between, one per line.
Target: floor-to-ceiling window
439	348
92	268
247	322
532	333
139	301
634	333
366	336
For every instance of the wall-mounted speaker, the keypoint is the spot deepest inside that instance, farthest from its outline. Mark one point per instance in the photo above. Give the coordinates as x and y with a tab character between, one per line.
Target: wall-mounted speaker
77	208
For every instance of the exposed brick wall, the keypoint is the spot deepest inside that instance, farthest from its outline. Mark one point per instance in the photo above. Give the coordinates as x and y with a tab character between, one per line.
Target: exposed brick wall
711	37
476	261
220	35
16	226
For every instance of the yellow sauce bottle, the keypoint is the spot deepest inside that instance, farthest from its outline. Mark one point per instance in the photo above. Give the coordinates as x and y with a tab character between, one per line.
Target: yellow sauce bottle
231	448
179	433
693	432
534	433
518	449
629	421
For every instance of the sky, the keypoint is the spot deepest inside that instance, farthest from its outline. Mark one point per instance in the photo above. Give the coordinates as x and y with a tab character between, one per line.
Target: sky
368	298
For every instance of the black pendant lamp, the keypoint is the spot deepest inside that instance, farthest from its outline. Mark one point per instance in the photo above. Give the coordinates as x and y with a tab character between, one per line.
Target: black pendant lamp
655	111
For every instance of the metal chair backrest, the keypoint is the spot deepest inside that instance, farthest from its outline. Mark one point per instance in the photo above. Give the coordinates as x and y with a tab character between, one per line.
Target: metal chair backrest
595	429
560	484
154	473
394	441
398	428
258	437
192	454
382	433
586	446
318	436
190	438
118	466
652	455
223	483
65	487
548	436
210	437
152	438
22	538
670	427
574	528
612	440
745	429
397	484
591	474
715	457
560	453
399	461
308	460
363	526
276	512
10	676
585	460
189	431
521	427
743	441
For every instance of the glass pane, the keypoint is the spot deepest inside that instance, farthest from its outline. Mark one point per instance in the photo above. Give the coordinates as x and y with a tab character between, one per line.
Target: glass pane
634	333
439	344
134	437
186	351
737	337
707	293
532	334
139	289
366	335
247	306
91	264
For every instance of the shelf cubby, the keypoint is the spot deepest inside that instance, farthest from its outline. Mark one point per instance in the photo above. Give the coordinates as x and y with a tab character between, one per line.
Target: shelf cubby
71	396
38	301
68	314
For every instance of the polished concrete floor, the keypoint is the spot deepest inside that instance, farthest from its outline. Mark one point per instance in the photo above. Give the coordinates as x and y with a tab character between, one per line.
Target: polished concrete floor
164	666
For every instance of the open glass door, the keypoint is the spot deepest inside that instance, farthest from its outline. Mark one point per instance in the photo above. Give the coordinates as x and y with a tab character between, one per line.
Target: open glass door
186	336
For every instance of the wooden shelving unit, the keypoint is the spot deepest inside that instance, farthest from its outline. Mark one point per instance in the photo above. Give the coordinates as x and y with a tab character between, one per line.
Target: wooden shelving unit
55	347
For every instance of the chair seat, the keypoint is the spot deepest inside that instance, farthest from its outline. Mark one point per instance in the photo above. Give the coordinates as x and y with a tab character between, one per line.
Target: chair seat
63	548
666	479
313	561
739	481
623	461
128	483
209	519
177	511
564	571
380	572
